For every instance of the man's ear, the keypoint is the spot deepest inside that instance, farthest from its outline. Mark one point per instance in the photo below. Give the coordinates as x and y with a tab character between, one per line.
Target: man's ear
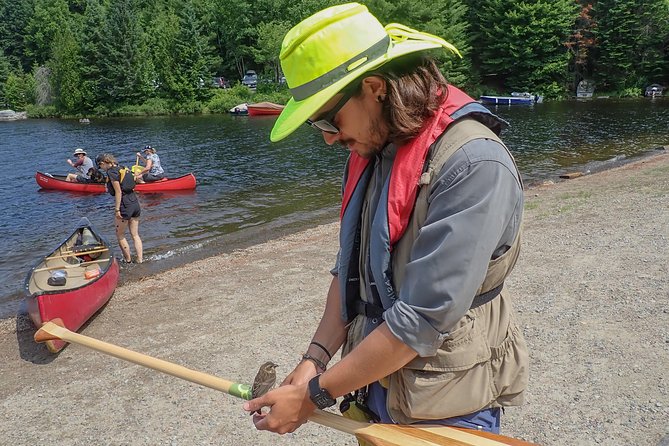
374	86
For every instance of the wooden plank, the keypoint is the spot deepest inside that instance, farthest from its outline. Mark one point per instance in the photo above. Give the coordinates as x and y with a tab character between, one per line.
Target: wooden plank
49	268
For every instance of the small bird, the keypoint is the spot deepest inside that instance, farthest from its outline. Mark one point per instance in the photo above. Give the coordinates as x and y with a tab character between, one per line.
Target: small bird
264	381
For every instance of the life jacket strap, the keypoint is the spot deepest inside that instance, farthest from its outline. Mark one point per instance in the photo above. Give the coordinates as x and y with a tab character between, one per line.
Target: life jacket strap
375	311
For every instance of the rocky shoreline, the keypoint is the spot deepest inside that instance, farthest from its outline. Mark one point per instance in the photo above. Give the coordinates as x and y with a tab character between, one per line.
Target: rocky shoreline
592	289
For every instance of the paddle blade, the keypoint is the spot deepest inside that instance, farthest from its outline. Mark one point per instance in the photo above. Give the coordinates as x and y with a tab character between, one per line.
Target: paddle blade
417	435
392	435
49	330
414	435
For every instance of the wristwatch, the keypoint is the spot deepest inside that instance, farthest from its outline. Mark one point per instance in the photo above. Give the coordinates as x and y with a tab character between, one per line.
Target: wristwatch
319	396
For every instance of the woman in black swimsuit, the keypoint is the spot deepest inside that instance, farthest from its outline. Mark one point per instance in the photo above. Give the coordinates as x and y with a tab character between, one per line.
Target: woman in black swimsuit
120	185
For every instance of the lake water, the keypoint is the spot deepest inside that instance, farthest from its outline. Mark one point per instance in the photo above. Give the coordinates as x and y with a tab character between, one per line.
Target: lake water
250	190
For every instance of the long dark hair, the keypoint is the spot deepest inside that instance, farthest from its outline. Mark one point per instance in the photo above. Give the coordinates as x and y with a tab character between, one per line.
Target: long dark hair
415	89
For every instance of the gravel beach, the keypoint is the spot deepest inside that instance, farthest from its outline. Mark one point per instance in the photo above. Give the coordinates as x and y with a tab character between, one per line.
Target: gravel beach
591	286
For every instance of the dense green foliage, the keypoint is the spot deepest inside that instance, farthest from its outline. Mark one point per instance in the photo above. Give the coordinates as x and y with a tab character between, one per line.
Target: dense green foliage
83	57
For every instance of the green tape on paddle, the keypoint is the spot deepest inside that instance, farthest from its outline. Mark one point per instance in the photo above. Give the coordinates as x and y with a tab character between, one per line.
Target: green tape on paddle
240	391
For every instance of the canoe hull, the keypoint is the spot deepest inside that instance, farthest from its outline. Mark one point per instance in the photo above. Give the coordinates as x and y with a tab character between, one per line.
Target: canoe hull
80	298
264	109
57	182
262	112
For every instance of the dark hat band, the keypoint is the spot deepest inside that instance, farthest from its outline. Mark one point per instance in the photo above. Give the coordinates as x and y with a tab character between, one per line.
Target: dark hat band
325	80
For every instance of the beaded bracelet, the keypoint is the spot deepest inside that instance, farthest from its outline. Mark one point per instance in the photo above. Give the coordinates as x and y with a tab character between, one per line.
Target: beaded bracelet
322	347
320	364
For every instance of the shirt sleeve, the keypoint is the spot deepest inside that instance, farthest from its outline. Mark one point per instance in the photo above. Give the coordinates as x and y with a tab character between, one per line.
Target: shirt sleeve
114	174
474	212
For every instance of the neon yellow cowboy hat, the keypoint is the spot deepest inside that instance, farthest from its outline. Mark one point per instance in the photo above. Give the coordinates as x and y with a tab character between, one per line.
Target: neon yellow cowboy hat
325	52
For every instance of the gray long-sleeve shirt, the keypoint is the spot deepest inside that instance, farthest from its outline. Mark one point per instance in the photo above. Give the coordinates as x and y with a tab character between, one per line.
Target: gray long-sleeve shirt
474	214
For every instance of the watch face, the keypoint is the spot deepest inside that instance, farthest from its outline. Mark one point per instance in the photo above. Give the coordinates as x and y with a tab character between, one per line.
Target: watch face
323	399
319	396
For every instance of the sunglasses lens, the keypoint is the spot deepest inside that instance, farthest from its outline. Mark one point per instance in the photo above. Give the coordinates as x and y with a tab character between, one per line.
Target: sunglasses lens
323	125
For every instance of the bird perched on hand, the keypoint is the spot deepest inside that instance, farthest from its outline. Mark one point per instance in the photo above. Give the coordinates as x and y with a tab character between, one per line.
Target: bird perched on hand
264	381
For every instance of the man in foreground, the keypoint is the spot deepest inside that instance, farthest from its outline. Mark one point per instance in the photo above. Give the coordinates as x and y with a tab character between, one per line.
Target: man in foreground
430	228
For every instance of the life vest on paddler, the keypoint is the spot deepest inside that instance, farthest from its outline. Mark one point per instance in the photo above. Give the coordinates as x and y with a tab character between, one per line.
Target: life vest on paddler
408	175
126	179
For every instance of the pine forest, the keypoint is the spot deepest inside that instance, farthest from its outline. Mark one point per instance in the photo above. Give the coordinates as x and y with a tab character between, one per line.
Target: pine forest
125	57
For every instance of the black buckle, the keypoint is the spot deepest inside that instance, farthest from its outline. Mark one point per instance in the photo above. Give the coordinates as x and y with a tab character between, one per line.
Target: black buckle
367	309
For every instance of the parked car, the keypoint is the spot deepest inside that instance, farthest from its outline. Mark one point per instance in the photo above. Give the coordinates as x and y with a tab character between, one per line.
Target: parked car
220	82
250	79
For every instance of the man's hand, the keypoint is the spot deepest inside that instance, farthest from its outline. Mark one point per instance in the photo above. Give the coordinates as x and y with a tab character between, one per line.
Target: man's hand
289	405
304	371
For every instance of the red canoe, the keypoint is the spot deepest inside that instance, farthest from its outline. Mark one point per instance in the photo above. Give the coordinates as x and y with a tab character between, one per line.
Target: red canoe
73	282
57	182
264	108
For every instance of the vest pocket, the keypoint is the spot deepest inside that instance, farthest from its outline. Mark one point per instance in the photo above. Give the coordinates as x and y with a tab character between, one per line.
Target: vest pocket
509	364
456	381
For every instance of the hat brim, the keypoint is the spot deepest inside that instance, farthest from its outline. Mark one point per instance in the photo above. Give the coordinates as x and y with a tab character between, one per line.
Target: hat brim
296	113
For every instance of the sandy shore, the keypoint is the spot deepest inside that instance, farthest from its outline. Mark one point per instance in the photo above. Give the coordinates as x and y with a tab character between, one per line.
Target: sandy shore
592	286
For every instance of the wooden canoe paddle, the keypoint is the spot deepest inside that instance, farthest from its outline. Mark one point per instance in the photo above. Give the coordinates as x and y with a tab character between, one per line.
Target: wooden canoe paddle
373	434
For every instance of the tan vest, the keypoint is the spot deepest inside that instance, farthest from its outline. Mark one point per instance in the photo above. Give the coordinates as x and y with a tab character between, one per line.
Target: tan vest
484	363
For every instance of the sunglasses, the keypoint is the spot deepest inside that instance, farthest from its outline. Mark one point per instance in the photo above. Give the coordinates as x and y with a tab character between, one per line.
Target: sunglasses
325	123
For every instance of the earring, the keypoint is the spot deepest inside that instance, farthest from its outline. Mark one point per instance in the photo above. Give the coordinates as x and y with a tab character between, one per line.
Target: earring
380	98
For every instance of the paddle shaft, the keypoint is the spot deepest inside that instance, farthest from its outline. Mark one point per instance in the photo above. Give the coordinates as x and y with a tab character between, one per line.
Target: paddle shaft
74	253
374	434
213	382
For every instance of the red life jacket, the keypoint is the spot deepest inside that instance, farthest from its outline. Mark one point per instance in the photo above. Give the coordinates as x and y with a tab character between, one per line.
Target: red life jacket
408	165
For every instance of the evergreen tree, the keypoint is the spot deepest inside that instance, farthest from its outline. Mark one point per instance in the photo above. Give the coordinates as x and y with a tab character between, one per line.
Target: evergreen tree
192	54
444	18
50	16
18	90
14	18
653	42
520	44
65	67
268	47
617	36
581	44
90	41
126	71
164	24
4	74
234	33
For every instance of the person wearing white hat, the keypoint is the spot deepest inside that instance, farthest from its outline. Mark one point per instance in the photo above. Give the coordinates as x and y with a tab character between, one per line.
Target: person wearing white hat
430	221
83	164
